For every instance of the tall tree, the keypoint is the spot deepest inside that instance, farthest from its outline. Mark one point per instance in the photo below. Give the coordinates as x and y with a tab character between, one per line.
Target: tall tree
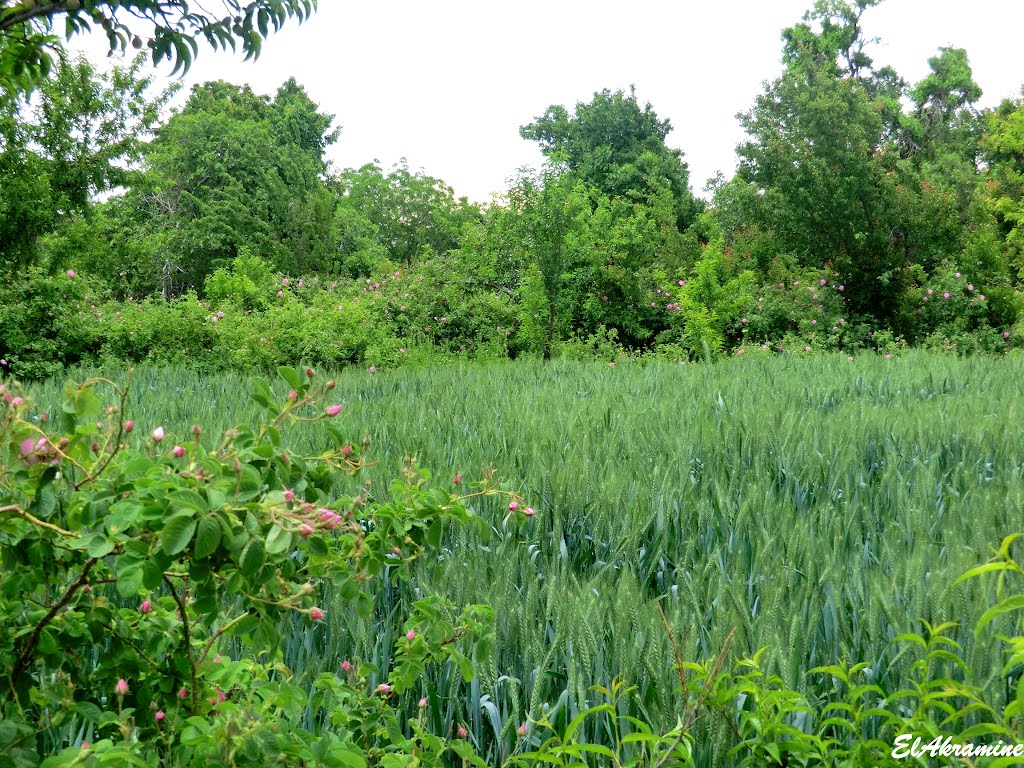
814	158
234	169
79	136
618	147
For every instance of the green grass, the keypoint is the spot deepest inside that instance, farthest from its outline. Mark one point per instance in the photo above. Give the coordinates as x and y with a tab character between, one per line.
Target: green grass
816	506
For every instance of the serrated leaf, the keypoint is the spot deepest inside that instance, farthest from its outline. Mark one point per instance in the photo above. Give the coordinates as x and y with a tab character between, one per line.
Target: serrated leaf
177	533
98	545
291	376
278	540
207	537
129	580
252	559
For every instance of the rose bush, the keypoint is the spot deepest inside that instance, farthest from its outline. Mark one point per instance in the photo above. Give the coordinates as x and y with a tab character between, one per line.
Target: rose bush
145	582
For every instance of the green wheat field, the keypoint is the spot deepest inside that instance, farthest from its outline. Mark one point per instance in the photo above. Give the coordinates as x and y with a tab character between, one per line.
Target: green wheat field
817	507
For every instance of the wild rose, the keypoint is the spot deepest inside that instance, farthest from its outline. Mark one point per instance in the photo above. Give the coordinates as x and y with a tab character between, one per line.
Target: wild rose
346	665
178	451
333	410
159	716
346	450
513	506
121	688
410	635
17	402
146	607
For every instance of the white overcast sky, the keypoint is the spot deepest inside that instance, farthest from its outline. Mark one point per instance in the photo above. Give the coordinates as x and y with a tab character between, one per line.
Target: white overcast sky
447	83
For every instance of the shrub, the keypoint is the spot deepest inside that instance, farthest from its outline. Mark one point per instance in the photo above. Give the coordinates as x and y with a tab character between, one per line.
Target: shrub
132	567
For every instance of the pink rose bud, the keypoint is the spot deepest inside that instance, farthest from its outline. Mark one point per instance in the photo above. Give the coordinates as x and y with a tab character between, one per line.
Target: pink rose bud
423	703
183	693
410	635
513	506
159	716
457	479
216	659
71	273
373	369
86	745
293	395
158	434
529	510
347	450
129	425
309	373
346	665
383	688
1006	334
333	410
17	402
462	732
316	614
280	294
178	451
305	529
522	729
289	495
146	606
122	687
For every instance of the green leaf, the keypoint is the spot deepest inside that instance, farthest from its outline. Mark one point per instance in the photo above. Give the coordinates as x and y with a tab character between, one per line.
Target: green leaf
98	546
253	558
129	580
207	537
278	540
434	534
291	376
177	533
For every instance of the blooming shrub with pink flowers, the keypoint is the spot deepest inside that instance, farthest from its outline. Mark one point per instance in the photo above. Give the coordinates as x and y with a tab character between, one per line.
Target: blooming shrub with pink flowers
144	588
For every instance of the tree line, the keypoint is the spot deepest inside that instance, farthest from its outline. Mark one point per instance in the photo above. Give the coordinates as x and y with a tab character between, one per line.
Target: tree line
895	207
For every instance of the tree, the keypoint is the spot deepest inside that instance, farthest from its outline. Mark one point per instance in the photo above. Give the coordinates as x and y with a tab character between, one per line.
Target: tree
81	135
1003	145
407	212
617	147
171	30
233	169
